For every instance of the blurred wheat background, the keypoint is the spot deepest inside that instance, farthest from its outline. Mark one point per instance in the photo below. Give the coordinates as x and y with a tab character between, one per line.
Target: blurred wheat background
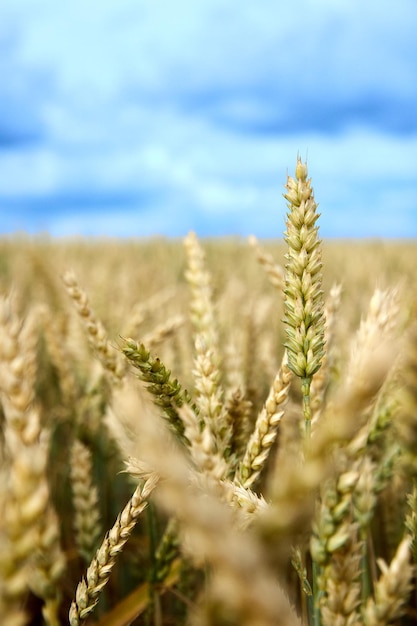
164	459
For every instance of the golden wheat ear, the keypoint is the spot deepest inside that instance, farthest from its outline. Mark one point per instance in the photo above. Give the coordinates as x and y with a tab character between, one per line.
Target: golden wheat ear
392	589
85	498
30	556
99	570
209	393
97	336
266	428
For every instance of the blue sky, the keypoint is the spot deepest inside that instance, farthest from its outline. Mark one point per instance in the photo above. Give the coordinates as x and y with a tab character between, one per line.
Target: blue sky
135	118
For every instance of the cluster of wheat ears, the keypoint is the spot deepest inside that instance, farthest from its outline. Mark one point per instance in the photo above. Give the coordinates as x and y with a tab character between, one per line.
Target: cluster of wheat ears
252	462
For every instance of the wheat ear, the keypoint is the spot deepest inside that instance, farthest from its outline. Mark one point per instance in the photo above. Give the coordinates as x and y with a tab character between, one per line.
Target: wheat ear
141	311
303	302
99	570
202	445
323	376
97	336
166	392
159	334
392	589
380	322
47	567
27	502
266	427
274	271
341	602
85	499
209	393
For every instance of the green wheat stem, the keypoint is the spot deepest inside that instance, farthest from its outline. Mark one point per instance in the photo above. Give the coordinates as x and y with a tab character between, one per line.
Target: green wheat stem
365	577
152	574
305	389
150	514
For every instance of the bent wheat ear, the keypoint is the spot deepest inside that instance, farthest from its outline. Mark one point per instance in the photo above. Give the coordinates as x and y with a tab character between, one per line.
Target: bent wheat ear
167	393
99	570
274	271
97	335
163	331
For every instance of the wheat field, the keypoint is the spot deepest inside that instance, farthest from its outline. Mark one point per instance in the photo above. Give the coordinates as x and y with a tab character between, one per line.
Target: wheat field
209	432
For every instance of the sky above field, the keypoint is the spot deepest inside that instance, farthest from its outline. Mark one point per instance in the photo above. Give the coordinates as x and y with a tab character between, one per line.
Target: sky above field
137	118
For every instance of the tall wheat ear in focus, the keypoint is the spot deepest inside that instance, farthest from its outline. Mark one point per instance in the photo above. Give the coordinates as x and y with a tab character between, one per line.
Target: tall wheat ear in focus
304	301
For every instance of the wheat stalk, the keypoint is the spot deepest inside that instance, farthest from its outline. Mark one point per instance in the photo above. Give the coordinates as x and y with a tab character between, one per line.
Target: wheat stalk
324	375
